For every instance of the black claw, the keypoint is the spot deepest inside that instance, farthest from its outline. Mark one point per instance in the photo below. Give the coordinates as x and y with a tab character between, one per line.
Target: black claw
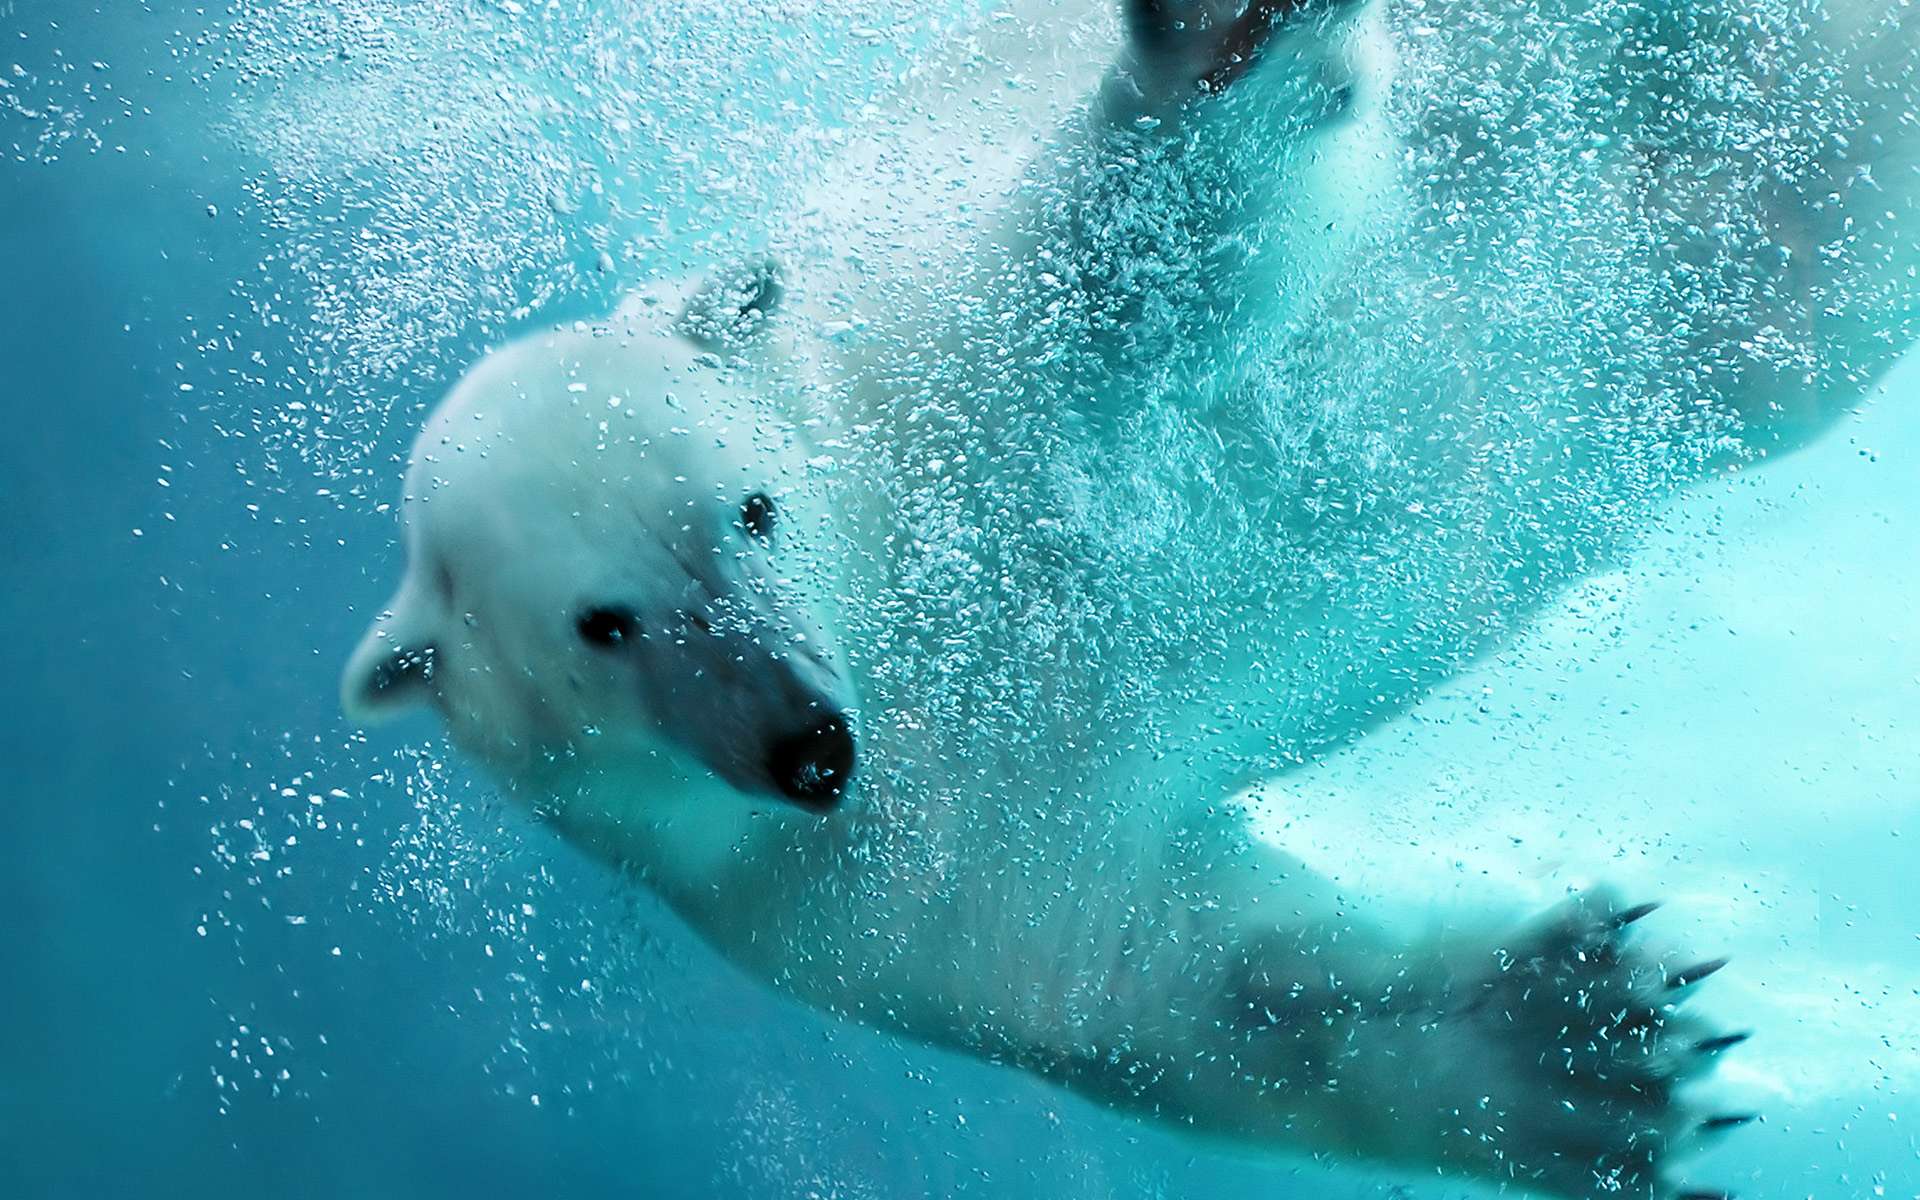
1627	917
1696	973
1725	1041
1727	1121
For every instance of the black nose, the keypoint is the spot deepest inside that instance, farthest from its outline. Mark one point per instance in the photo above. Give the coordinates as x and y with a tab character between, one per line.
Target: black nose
812	768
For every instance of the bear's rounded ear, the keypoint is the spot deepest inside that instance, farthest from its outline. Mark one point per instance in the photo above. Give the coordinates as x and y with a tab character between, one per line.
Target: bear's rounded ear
391	670
725	312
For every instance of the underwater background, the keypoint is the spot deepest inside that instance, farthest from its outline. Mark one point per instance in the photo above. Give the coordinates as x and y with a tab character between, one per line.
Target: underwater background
249	950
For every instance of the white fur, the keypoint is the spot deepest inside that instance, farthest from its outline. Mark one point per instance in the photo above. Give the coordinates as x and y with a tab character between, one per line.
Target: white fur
1011	405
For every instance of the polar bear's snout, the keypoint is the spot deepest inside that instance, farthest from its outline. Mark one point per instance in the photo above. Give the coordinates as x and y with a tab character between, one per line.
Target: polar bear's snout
812	768
743	689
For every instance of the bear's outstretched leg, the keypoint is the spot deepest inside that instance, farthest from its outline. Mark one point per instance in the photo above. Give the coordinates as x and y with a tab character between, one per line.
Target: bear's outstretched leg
1226	167
1553	1058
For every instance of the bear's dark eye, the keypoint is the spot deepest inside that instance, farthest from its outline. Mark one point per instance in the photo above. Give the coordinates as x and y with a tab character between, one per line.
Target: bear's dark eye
607	627
756	514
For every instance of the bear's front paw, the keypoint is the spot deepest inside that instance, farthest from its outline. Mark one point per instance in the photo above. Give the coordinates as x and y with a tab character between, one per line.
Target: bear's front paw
1213	44
1583	1050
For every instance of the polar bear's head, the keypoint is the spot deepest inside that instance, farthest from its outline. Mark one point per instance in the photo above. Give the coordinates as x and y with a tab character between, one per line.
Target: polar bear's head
605	568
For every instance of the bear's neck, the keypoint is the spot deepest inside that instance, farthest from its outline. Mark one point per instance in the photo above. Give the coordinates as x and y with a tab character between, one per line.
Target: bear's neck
717	858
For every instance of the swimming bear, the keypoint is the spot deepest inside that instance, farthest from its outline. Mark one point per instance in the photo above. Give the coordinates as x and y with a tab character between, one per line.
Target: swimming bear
907	604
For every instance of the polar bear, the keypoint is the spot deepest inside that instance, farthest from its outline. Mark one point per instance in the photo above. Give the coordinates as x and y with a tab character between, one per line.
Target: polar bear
908	605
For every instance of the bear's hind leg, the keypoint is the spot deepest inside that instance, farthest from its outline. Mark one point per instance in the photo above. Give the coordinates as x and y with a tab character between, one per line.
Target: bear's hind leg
1798	148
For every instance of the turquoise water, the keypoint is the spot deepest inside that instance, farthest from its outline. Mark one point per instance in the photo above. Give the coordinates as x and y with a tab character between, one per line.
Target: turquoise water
255	951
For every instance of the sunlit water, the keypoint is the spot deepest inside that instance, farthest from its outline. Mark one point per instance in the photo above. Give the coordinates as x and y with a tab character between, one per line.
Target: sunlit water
251	951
